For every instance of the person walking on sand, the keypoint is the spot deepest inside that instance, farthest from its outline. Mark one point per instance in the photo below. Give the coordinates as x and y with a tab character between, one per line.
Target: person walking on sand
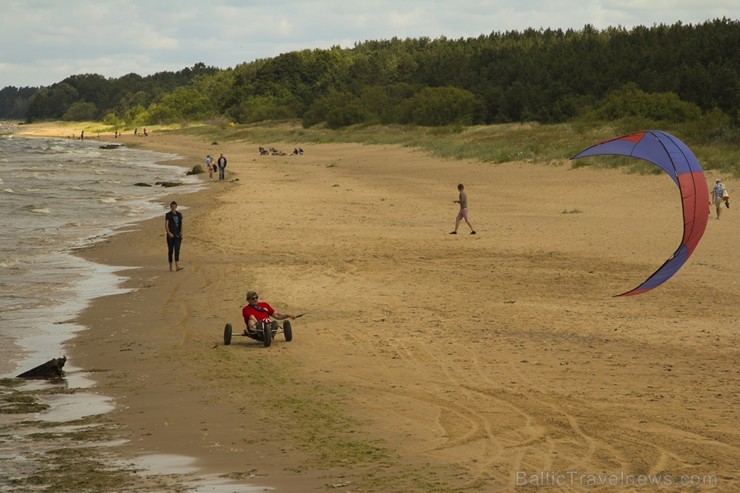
221	167
463	214
209	165
173	228
718	193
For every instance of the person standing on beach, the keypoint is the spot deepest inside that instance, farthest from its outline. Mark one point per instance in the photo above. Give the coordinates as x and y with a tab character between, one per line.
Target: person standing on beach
718	193
209	160
173	228
221	167
463	214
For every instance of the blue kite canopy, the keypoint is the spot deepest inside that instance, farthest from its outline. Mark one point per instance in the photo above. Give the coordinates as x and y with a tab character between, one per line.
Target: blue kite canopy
676	159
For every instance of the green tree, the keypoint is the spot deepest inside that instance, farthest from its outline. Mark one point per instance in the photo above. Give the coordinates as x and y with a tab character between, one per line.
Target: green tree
262	108
631	101
434	106
158	113
92	88
217	88
81	111
386	102
338	109
185	103
52	102
14	102
133	116
112	120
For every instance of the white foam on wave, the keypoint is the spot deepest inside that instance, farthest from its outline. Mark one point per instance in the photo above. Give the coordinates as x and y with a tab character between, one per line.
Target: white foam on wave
61	222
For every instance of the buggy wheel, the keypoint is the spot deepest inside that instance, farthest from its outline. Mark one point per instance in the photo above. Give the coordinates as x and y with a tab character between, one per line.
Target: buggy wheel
287	331
266	333
227	334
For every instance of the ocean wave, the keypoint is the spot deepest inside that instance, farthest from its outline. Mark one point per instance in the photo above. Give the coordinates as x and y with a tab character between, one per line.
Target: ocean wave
83	197
14	262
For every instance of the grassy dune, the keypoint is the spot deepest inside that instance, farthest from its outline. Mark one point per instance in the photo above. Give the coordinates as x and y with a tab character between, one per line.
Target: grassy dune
530	142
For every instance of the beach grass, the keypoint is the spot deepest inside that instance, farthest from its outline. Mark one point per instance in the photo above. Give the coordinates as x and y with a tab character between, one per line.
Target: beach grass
495	144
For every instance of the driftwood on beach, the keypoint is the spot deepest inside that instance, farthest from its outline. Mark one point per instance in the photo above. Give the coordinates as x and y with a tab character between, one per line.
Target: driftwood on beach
51	369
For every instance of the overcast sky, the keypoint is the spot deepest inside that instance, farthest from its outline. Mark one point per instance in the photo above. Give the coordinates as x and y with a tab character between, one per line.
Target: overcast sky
44	41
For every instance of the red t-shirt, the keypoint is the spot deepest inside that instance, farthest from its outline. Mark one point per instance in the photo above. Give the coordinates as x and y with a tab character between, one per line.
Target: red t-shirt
258	314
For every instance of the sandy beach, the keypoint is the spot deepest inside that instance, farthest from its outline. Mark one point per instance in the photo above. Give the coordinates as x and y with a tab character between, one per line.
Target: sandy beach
425	361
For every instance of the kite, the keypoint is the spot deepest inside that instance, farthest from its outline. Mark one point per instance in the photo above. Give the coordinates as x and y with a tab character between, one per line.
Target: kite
676	159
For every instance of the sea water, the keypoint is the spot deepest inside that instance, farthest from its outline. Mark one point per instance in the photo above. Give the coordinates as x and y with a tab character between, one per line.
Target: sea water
58	196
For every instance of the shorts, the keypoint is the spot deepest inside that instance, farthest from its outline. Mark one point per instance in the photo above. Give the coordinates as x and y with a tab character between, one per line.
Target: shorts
718	201
463	214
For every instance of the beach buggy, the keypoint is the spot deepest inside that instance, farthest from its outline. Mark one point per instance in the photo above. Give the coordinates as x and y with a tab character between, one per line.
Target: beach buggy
264	332
261	322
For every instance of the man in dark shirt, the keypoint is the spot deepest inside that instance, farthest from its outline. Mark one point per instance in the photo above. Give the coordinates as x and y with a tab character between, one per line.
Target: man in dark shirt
173	228
221	167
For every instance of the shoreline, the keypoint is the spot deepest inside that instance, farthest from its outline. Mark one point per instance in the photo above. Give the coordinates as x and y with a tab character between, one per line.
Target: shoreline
138	275
384	386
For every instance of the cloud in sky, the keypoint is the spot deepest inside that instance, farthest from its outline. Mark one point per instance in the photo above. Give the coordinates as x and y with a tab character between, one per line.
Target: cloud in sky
44	41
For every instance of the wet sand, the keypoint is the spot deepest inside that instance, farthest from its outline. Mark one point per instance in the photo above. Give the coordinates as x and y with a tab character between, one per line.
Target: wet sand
425	361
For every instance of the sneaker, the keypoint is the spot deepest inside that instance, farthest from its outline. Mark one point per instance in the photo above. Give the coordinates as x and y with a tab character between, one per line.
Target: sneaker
453	233
473	233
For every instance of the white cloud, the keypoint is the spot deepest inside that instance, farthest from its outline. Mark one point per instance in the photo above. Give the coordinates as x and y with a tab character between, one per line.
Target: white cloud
43	41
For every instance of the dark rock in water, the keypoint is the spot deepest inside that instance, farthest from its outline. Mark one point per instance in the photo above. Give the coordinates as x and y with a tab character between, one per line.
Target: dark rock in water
51	369
141	184
197	169
110	146
168	184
